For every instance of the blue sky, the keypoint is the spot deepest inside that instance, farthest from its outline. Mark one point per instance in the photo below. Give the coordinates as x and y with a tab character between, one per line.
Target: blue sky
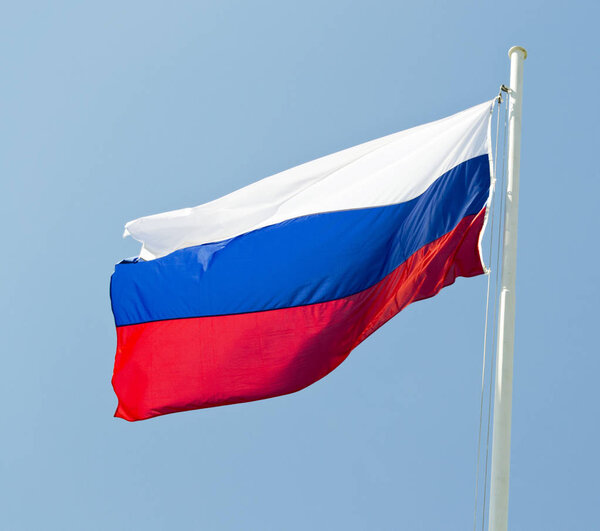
112	110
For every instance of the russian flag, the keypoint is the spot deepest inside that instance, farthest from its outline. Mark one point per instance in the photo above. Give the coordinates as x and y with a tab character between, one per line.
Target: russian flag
266	290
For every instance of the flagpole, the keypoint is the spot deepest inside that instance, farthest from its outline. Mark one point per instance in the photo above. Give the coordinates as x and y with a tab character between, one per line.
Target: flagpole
498	518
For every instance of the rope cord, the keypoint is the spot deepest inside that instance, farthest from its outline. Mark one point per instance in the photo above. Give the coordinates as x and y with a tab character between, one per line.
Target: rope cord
492	203
497	279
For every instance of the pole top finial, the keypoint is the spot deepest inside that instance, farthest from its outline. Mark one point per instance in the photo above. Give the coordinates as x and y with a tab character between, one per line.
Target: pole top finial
518	49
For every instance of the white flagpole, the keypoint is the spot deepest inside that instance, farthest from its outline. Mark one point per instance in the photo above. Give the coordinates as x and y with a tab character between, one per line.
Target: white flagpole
498	519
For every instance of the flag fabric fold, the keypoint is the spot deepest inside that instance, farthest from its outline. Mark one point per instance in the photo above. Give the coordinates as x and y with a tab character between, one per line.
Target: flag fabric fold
266	290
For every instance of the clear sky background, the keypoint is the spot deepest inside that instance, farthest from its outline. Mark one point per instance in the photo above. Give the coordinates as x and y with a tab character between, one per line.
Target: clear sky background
114	110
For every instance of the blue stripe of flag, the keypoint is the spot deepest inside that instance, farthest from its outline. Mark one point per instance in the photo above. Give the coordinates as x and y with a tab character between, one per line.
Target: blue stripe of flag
306	260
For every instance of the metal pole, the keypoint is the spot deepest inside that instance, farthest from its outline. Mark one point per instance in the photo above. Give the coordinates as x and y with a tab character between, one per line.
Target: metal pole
498	519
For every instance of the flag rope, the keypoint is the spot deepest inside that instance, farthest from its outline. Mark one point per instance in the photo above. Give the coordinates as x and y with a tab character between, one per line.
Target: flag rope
497	102
498	276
